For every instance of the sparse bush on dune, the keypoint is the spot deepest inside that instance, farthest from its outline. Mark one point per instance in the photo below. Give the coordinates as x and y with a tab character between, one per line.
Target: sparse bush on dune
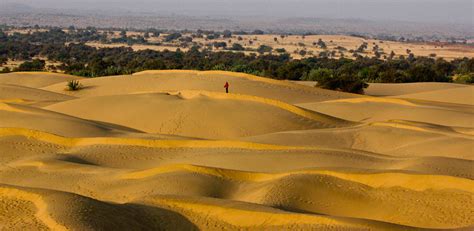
74	85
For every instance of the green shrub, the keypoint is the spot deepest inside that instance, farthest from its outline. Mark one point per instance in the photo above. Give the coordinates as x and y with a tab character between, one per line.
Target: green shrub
74	85
237	47
5	70
328	79
343	83
172	37
465	78
264	49
35	65
318	74
280	50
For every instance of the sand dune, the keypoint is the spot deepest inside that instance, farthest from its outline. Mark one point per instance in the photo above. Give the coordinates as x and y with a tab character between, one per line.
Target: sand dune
54	210
46	210
222	214
395	138
169	81
197	114
370	110
337	189
129	152
22	116
395	89
35	79
32	94
461	95
168	150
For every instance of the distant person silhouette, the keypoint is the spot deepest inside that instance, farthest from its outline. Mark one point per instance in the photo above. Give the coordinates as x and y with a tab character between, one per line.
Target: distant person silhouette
226	86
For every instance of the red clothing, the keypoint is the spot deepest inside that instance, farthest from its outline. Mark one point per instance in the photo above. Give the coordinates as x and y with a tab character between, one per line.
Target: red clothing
226	85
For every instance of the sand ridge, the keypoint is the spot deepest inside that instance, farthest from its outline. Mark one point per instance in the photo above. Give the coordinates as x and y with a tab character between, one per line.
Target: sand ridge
73	142
375	180
35	79
178	80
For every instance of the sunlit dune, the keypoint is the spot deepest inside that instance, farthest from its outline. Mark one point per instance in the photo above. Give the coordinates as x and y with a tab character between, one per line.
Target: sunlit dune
170	150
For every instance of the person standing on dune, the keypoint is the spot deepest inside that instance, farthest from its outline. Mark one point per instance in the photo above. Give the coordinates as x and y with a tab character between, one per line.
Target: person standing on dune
226	86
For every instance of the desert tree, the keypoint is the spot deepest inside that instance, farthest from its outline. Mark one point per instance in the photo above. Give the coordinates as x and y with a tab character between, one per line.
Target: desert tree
264	49
258	32
237	47
227	34
321	44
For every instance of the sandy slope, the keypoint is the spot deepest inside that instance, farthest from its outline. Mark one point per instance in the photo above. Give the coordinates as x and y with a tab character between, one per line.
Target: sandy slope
35	79
168	150
395	89
396	138
382	109
168	81
31	94
21	116
461	95
197	114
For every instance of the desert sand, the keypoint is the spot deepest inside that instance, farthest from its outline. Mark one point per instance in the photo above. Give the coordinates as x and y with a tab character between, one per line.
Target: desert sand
169	150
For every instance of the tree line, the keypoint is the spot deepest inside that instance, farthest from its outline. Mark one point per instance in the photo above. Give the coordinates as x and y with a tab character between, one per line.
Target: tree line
343	74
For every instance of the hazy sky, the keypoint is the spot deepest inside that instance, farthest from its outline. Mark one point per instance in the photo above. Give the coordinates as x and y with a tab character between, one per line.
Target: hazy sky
452	11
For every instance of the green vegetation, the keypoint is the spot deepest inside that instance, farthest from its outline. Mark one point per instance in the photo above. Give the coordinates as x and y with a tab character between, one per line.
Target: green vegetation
73	85
35	65
320	43
237	47
5	70
280	50
464	78
172	37
264	49
345	74
227	34
220	45
333	80
362	47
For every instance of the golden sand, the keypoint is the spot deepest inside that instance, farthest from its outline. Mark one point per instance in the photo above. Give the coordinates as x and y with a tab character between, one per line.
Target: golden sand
170	150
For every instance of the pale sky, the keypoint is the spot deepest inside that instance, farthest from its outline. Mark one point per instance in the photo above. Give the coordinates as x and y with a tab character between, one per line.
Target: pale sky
451	11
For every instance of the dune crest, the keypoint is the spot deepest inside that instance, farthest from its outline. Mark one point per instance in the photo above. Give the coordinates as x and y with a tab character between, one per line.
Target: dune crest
375	180
151	143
